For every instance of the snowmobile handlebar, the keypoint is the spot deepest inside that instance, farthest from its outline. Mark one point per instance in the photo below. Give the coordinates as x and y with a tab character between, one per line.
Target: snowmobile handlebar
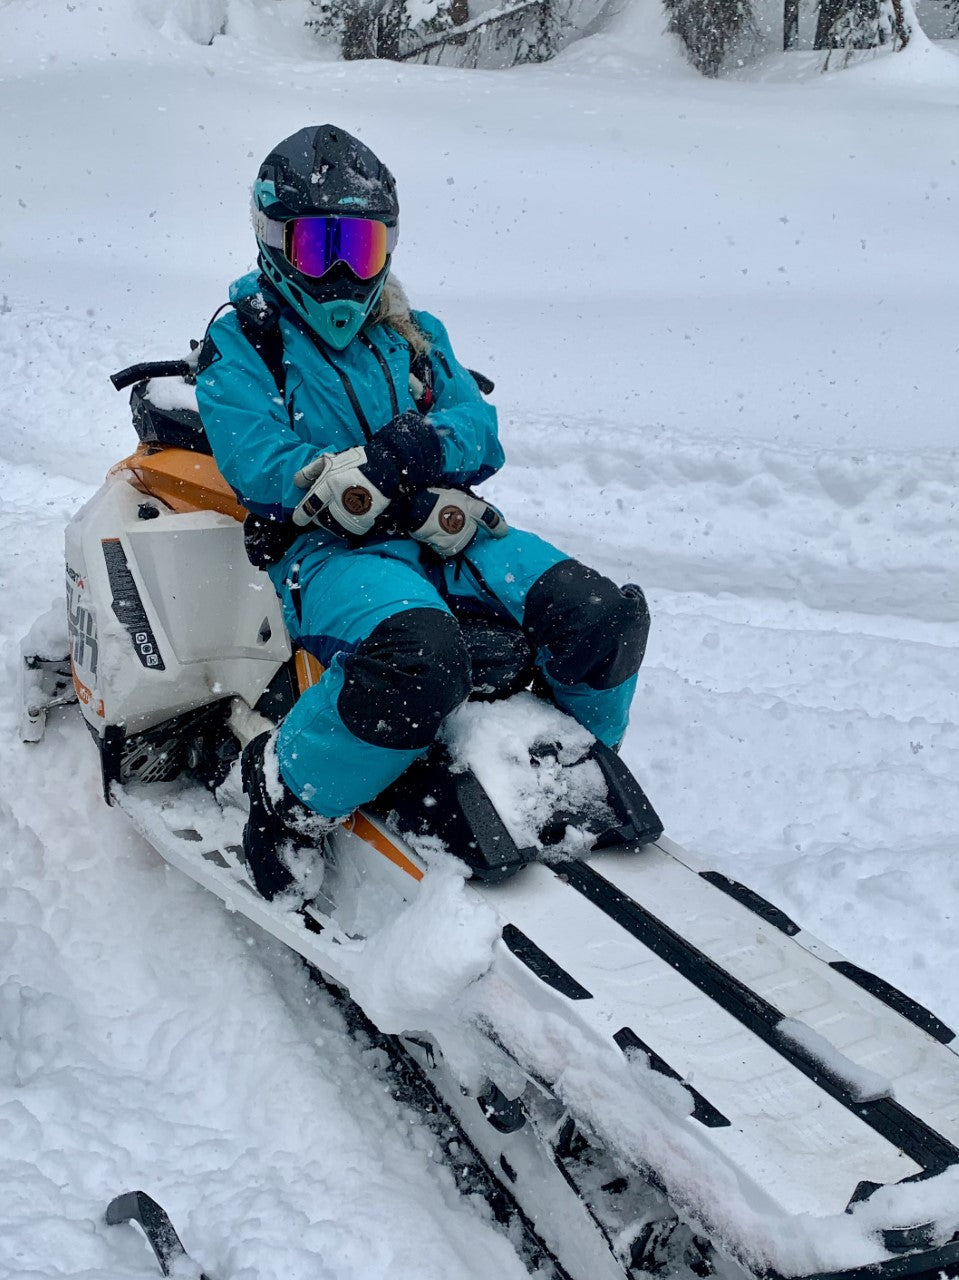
150	369
486	385
181	368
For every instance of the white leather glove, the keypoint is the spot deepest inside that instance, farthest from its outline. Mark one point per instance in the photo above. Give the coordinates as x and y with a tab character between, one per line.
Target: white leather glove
447	520
340	496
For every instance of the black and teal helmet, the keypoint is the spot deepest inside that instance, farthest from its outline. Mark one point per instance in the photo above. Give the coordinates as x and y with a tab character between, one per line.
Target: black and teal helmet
325	215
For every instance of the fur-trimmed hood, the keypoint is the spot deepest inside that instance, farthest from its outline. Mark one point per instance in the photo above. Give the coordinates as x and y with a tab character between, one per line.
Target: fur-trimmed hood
393	309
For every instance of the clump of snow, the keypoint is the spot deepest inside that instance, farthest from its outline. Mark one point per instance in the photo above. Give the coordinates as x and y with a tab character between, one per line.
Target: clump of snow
47	636
172	393
863	1085
932	1202
410	972
421	11
530	759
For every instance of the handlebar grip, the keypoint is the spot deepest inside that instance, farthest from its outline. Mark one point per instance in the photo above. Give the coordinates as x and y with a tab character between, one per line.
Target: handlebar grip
150	369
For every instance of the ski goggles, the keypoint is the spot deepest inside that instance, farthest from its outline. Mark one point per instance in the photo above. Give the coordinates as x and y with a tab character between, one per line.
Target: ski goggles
312	245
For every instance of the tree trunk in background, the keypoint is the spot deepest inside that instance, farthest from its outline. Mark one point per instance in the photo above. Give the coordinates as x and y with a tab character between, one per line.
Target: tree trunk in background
359	31
710	28
393	21
827	16
853	25
790	24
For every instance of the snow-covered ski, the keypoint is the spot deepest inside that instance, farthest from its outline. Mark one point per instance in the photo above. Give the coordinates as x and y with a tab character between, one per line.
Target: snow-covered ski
154	1222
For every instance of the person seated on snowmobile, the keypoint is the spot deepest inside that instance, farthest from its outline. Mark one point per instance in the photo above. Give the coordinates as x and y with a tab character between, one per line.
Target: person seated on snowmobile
353	436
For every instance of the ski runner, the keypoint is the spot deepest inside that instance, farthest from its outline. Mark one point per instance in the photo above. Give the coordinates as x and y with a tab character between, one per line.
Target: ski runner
353	436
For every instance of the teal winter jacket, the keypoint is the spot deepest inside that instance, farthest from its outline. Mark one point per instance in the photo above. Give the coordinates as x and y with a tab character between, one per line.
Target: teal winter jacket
333	400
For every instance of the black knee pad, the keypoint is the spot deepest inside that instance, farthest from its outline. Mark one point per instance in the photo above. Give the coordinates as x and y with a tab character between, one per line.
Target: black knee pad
593	631
410	672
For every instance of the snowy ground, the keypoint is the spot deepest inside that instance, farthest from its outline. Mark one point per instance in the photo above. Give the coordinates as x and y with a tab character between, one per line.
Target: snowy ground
722	319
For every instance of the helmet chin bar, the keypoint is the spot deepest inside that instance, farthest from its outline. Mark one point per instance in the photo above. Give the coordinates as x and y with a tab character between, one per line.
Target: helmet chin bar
338	323
336	320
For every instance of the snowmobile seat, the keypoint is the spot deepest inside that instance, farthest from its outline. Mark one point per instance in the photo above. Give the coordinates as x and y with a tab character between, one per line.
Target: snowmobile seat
501	658
500	654
170	427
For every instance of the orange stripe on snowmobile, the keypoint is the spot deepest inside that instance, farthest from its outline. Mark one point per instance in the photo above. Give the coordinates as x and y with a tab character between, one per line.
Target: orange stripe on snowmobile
184	480
84	693
361	826
308	670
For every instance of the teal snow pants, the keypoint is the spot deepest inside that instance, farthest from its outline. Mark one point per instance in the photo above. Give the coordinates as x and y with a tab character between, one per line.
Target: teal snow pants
378	618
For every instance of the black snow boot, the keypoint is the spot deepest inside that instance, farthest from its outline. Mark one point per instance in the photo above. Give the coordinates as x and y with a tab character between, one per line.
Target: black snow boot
279	825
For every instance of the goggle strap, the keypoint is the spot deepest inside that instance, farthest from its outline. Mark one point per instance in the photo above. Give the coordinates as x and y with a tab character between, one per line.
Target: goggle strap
268	231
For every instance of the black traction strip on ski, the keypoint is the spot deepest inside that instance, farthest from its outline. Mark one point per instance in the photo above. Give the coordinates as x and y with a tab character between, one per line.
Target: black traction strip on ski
885	1116
506	1115
752	900
904	1005
703	1109
543	965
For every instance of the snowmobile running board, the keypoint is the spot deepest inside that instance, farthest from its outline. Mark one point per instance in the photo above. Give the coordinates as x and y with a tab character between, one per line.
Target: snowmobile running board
811	1080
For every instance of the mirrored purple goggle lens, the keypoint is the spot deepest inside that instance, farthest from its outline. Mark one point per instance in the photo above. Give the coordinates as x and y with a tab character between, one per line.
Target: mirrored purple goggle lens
314	245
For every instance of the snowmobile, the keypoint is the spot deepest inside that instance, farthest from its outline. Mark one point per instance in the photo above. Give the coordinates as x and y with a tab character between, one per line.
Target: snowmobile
660	1069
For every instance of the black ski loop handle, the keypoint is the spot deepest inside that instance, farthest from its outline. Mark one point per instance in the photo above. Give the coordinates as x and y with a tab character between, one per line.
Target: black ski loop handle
154	1222
151	369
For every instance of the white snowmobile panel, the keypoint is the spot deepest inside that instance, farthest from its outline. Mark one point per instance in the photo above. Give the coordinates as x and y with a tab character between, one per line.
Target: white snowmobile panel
166	612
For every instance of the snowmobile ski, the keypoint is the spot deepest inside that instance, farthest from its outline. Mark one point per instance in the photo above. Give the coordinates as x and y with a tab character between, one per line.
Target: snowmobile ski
45	685
154	1222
